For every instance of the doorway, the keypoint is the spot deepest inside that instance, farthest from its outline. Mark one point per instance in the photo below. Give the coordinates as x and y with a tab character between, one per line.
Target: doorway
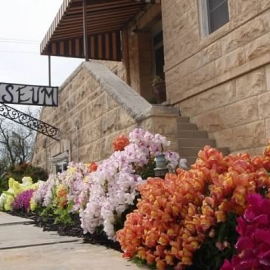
158	49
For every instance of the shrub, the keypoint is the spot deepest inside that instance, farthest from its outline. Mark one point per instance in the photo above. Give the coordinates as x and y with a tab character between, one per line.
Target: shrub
19	171
189	219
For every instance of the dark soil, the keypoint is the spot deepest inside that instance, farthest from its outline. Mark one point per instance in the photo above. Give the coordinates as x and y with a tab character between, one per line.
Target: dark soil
73	229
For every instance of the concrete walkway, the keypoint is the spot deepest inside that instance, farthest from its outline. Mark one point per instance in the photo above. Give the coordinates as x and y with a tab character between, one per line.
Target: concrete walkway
24	246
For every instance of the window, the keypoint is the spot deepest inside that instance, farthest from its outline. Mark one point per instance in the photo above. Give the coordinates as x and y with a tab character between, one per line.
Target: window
61	166
213	15
60	162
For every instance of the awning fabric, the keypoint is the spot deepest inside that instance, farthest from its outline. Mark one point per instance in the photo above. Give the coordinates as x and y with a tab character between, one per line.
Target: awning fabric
105	19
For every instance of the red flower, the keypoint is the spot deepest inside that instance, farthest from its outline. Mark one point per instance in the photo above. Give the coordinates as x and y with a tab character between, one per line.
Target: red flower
93	166
120	143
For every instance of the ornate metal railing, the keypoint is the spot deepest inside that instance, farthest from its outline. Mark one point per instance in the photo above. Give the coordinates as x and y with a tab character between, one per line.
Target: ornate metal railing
29	121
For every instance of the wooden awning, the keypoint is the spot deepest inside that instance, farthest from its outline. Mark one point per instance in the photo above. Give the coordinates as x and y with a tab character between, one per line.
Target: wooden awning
105	19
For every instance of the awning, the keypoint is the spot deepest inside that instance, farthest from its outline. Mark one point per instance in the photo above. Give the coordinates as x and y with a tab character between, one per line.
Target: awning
105	20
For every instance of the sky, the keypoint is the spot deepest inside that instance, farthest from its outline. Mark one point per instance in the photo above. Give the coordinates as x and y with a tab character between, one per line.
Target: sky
23	25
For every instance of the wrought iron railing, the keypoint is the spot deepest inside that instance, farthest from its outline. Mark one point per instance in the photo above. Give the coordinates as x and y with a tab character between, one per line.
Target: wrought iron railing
29	121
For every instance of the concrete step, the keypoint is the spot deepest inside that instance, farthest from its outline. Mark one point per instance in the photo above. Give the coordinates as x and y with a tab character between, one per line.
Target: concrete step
186	126
191	140
191	153
225	151
191	161
186	152
192	134
183	119
195	142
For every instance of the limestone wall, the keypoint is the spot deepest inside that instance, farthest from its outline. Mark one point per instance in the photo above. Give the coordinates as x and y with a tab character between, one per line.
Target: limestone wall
221	81
98	117
95	107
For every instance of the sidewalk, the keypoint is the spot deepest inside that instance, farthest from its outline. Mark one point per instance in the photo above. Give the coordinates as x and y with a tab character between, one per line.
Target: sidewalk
24	246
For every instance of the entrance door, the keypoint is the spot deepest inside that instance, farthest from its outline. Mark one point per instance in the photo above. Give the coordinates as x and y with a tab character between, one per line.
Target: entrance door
158	48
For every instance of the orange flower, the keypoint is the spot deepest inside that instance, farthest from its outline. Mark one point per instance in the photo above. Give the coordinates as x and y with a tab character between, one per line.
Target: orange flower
261	178
220	216
187	257
93	167
160	251
169	259
239	195
62	196
150	258
225	206
160	264
267	150
120	143
151	239
141	253
192	246
257	162
178	213
164	239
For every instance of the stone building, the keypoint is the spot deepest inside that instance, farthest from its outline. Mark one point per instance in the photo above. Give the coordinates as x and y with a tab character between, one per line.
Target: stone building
213	54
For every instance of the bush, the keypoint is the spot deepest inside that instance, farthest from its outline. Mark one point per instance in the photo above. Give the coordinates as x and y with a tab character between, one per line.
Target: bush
189	219
17	172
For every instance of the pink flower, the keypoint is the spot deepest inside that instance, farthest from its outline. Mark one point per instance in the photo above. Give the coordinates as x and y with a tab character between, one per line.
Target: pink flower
22	201
253	245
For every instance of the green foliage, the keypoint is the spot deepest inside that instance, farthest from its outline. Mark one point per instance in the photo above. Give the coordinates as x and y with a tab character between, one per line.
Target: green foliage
47	214
62	214
3	185
209	257
19	171
142	263
120	220
157	79
147	170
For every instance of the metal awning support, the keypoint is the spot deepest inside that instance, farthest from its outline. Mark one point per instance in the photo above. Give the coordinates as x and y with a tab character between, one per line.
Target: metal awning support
49	70
85	39
29	121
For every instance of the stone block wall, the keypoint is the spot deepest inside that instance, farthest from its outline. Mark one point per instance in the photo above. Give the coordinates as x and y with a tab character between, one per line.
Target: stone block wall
83	104
95	107
221	81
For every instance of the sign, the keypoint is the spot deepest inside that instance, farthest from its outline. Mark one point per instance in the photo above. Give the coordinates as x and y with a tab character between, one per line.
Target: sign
28	94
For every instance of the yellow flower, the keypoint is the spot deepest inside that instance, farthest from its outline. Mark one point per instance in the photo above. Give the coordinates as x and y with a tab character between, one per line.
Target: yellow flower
8	202
33	204
26	181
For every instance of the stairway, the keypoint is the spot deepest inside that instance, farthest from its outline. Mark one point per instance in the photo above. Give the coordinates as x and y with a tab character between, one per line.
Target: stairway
191	140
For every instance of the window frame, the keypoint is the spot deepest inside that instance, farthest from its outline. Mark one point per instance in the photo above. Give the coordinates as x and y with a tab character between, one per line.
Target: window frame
60	161
204	18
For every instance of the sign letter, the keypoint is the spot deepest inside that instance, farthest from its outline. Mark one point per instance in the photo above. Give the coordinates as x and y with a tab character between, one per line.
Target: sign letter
28	94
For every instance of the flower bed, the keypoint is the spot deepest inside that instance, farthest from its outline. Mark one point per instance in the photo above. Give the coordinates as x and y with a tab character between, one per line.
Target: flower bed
214	216
102	194
189	219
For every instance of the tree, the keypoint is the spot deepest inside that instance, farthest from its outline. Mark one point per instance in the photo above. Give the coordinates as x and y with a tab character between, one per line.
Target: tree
16	142
16	146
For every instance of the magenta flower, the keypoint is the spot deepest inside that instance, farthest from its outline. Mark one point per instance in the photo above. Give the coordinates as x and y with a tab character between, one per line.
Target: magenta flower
253	245
22	201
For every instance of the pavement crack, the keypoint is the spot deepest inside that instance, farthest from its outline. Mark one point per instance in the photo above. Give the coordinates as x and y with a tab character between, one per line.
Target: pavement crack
18	223
40	244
